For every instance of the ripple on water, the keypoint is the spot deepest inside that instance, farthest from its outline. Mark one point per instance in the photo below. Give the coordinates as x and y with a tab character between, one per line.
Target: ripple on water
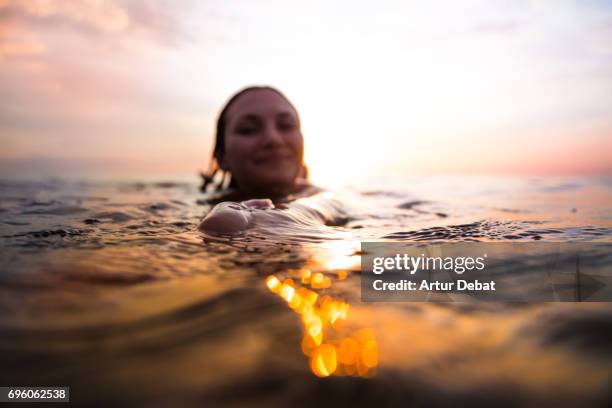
57	210
113	216
498	230
122	293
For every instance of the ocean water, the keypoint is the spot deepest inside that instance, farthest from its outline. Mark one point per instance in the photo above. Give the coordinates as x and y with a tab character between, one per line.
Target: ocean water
109	288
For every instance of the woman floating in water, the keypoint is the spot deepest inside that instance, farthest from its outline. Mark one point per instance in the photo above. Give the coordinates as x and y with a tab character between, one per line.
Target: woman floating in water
258	159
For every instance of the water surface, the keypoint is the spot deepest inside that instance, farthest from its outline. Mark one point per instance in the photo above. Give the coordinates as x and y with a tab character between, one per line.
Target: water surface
108	287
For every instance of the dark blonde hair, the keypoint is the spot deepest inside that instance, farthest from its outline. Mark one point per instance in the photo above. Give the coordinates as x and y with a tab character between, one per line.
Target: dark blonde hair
222	179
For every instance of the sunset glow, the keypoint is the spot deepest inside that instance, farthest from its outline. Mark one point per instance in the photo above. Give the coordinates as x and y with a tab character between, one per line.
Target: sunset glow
132	88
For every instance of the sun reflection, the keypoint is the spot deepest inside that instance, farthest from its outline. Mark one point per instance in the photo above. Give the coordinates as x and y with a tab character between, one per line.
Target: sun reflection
273	283
332	349
340	255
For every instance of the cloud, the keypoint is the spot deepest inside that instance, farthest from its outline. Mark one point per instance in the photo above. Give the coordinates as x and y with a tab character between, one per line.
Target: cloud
161	23
99	15
86	72
24	24
17	41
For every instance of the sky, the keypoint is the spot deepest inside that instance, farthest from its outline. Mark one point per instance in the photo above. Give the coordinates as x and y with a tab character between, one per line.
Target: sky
132	88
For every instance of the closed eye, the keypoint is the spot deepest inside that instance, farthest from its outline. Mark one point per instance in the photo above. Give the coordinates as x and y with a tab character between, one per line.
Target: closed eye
248	125
286	122
286	126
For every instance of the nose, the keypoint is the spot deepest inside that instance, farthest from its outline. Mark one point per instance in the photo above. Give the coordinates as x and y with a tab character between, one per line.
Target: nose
272	137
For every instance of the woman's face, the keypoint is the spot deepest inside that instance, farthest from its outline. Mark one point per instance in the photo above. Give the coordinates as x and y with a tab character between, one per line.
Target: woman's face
264	146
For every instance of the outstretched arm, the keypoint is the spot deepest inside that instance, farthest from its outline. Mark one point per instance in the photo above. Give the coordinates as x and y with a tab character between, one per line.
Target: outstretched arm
231	217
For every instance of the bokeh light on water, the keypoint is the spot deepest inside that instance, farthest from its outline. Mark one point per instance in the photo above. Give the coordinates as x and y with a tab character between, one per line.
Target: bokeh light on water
332	348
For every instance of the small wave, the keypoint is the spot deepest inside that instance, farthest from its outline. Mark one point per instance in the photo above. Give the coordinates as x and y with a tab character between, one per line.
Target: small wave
60	210
112	216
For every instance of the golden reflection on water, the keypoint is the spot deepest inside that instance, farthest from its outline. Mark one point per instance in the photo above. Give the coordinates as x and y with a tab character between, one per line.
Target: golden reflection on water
333	349
339	255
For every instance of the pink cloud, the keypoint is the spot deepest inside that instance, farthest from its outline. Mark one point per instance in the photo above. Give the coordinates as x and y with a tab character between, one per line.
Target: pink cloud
100	15
17	41
25	25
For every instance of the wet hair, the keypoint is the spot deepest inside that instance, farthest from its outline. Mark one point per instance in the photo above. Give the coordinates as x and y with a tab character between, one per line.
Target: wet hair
218	178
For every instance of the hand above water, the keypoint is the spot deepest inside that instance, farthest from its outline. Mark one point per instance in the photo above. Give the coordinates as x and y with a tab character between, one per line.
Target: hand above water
234	217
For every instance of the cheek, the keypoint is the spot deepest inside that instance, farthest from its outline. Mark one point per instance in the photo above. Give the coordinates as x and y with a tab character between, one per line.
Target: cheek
238	151
296	142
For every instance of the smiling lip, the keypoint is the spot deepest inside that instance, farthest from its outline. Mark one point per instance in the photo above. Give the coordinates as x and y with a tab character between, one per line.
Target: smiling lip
272	158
